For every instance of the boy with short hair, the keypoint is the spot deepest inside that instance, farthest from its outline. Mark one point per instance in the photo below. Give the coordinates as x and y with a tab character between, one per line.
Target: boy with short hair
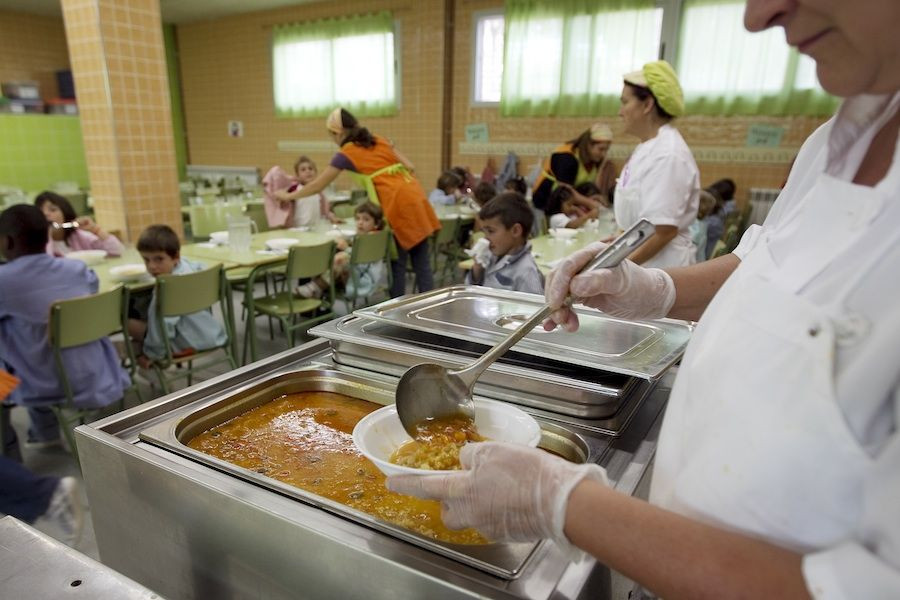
30	283
447	192
506	222
161	250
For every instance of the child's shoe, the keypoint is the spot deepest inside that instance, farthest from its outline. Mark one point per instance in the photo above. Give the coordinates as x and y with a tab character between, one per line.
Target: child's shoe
65	511
308	290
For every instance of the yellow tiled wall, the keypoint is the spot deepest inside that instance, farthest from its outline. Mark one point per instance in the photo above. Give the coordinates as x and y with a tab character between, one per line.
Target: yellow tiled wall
718	143
226	73
119	64
32	48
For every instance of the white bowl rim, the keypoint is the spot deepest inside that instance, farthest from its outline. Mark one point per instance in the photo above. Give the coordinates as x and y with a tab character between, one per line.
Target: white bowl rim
76	254
563	232
400	469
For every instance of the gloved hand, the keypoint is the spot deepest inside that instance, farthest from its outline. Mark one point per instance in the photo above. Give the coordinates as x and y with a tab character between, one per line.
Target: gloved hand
506	491
627	291
481	252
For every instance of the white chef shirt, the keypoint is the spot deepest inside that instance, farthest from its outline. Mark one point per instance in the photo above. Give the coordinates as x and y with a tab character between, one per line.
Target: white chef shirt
661	183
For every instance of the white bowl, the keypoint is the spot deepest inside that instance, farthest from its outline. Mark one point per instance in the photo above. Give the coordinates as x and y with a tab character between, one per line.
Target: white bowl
281	243
219	237
380	433
563	233
88	257
129	272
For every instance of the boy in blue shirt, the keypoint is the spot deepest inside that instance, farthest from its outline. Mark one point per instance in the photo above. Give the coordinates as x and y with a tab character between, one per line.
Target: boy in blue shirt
161	250
506	221
30	282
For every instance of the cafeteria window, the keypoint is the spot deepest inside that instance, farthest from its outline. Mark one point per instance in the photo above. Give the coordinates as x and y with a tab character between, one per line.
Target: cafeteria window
488	52
560	60
724	69
348	61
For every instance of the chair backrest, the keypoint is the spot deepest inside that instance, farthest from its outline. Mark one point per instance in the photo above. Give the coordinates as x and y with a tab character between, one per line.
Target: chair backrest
206	218
370	247
256	211
731	237
720	249
449	231
309	261
189	293
85	319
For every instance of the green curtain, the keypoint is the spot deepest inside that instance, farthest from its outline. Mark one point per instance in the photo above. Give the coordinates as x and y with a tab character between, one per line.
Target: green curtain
725	70
567	57
346	61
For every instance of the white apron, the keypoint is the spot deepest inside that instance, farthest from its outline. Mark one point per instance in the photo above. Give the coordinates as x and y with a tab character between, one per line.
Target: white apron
679	252
754	439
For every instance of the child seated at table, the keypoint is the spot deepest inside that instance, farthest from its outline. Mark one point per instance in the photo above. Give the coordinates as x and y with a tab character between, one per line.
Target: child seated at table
30	283
447	192
506	222
304	212
564	210
87	235
516	183
369	219
161	250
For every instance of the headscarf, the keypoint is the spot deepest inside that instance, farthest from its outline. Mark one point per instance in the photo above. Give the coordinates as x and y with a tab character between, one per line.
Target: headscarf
600	132
661	80
334	123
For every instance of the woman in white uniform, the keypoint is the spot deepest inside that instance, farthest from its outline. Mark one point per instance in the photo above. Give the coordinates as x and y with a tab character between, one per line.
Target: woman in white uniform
660	182
778	467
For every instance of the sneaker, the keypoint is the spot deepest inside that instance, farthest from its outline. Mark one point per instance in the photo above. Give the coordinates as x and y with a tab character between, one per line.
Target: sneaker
308	290
33	444
65	511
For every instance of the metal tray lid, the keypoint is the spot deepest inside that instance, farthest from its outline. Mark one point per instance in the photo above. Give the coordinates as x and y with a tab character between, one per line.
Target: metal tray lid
484	315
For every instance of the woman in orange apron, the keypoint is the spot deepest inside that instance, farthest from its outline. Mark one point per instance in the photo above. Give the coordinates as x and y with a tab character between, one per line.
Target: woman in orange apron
387	177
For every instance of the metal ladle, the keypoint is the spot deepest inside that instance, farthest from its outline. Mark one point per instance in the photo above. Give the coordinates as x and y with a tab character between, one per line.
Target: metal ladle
429	391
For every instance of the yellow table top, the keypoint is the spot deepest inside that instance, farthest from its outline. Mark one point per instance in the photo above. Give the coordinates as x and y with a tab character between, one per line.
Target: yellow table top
257	254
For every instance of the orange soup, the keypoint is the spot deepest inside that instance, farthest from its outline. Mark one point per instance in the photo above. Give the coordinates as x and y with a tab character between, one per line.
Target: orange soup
437	444
305	440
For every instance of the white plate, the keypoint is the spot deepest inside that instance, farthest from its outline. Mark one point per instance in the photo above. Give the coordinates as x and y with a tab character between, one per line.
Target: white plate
129	272
380	433
281	243
88	257
563	233
219	237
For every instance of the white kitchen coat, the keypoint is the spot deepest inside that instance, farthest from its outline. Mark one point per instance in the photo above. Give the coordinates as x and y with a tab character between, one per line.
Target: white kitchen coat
783	422
661	183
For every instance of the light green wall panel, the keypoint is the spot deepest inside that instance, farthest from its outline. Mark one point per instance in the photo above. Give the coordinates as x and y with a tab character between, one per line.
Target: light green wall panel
36	151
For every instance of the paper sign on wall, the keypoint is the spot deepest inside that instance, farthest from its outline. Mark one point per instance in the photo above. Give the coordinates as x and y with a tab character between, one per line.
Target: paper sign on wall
760	134
477	132
235	129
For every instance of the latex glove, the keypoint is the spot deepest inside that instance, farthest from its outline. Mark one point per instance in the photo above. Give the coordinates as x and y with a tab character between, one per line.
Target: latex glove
627	291
481	252
506	491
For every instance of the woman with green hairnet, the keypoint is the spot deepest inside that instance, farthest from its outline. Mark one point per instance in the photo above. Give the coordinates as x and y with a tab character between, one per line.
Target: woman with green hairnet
660	182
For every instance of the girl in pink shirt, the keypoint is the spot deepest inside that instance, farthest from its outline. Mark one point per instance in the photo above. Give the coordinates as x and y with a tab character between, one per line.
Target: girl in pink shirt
87	236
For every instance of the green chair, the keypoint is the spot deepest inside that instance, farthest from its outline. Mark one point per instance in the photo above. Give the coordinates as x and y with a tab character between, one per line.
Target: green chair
206	218
731	236
80	321
178	295
720	249
303	262
256	211
346	210
445	244
369	248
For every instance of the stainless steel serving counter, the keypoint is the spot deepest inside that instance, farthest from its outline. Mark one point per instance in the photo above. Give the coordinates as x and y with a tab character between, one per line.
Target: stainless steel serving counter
189	530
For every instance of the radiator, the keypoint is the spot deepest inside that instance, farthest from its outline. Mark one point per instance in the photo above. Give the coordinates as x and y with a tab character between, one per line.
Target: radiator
761	200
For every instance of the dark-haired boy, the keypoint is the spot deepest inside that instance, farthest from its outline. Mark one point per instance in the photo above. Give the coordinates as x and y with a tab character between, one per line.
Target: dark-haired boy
506	222
30	283
161	250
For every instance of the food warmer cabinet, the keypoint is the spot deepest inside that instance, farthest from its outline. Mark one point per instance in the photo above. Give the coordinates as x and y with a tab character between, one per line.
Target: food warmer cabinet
189	525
